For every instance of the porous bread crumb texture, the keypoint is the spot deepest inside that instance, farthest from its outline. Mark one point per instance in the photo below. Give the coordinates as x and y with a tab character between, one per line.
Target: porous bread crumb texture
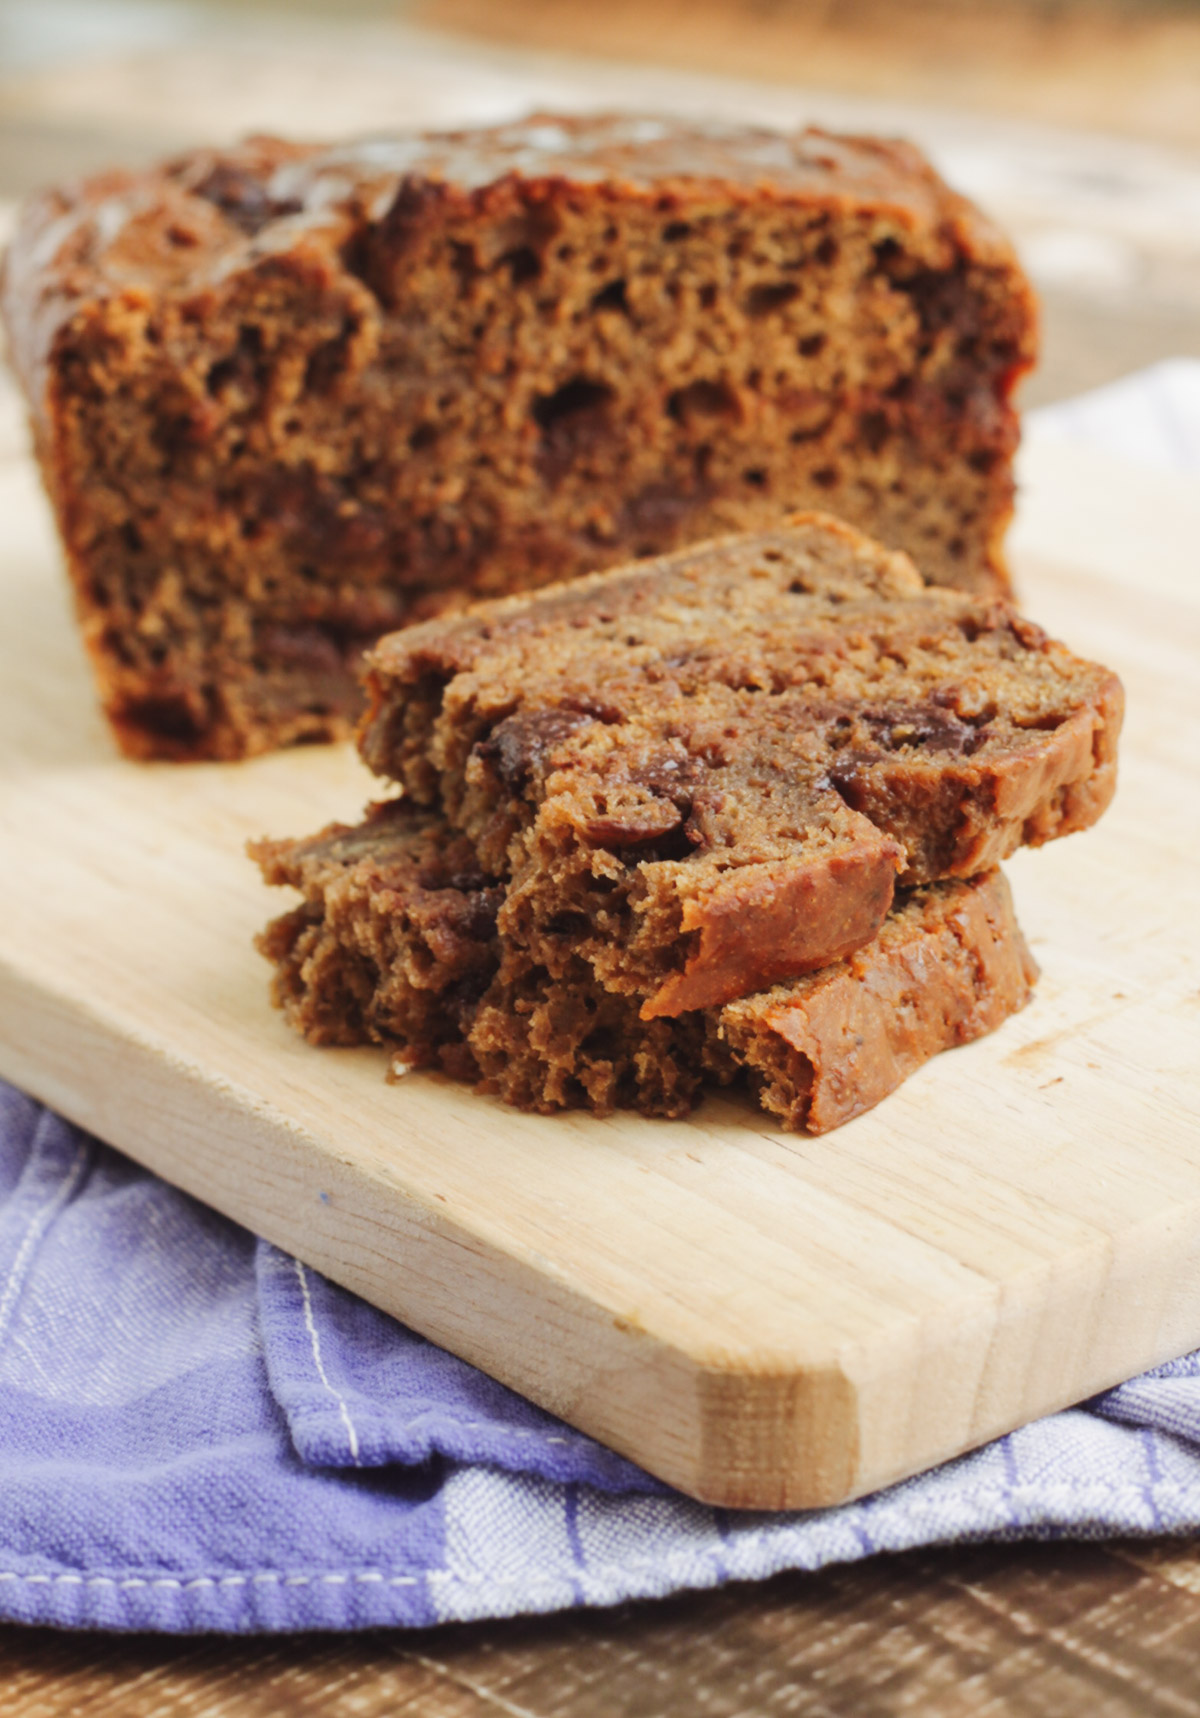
394	940
708	773
395	944
286	398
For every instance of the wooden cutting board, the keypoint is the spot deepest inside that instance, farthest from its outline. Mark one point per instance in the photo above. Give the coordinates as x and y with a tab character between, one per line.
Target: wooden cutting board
763	1320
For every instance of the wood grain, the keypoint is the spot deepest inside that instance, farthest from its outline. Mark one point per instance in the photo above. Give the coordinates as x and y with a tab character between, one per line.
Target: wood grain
762	1320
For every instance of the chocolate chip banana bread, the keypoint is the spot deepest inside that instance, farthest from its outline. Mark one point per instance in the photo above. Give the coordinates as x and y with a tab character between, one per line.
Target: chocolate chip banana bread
288	397
706	773
396	943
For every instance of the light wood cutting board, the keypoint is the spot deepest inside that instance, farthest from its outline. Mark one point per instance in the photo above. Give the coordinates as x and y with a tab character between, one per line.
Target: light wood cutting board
761	1319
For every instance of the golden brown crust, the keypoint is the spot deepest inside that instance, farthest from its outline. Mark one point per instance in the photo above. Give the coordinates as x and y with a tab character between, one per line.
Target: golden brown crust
812	917
948	966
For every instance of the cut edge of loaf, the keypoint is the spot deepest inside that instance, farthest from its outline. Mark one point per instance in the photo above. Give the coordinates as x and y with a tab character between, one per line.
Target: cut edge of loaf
392	945
209	334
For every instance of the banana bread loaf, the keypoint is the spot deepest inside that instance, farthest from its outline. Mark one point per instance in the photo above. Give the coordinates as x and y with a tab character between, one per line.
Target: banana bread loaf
706	773
288	397
395	943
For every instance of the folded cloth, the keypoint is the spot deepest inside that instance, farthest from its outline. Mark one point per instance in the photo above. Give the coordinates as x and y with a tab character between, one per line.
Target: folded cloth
199	1433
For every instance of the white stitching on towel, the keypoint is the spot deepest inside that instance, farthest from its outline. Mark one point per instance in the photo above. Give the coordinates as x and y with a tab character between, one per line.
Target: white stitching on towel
683	1558
268	1578
343	1410
512	1431
38	1224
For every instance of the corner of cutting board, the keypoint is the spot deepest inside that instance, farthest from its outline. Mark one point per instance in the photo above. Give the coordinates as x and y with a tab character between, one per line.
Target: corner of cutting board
786	1437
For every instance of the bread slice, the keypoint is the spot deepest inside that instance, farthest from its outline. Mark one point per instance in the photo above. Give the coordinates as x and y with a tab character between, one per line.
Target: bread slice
949	964
288	396
705	774
395	943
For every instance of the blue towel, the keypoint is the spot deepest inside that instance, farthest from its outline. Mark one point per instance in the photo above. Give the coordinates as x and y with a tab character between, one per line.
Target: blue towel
197	1432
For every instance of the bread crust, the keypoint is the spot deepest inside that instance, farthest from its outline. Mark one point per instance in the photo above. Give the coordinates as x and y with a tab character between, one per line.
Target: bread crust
948	966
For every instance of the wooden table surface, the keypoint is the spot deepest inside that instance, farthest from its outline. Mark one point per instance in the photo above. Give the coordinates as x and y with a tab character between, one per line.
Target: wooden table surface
1113	238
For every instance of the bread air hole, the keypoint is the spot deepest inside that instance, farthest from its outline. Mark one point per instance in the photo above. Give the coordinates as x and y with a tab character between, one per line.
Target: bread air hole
762	300
575	397
703	399
612	297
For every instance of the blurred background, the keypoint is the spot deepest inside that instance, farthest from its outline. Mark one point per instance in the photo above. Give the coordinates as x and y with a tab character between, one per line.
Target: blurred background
1075	122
